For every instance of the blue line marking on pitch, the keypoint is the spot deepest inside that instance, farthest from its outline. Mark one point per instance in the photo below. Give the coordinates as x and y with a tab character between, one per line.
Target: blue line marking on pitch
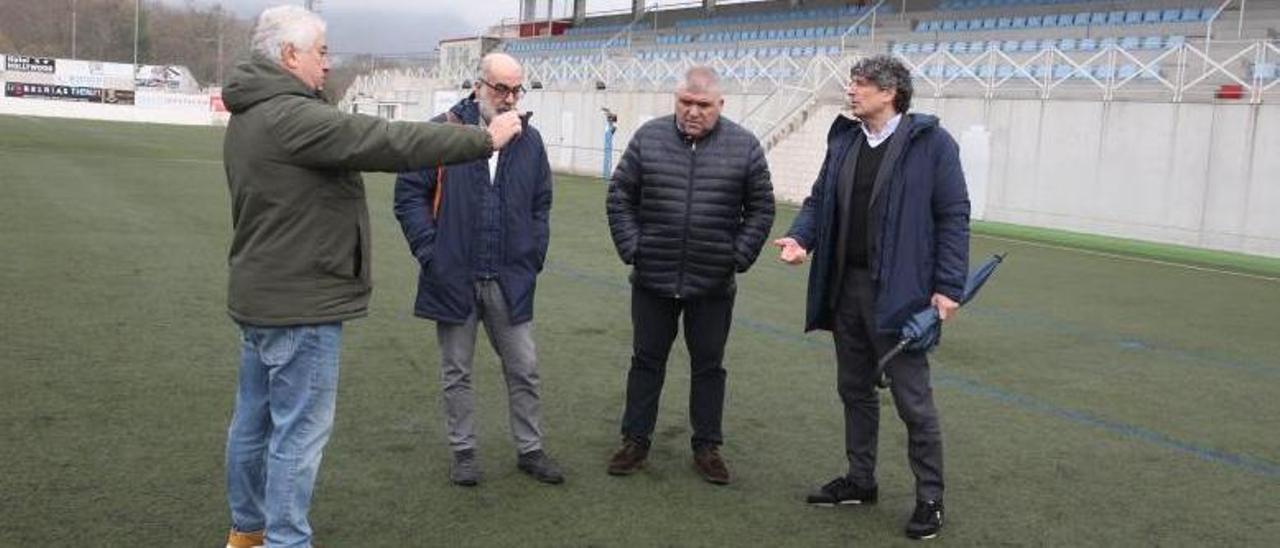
969	386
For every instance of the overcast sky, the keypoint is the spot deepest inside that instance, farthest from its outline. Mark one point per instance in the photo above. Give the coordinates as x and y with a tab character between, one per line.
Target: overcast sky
477	13
410	26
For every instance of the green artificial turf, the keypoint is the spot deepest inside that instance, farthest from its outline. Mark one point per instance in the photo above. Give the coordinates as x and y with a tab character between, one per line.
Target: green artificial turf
1087	398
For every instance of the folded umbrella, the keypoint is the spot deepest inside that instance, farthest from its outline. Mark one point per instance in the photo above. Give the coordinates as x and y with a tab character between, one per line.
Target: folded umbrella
923	330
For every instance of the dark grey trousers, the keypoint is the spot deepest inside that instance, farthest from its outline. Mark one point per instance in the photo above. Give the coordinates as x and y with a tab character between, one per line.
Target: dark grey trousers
858	347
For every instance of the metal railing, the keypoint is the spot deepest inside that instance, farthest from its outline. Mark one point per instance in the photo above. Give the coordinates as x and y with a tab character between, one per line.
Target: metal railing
853	29
1186	72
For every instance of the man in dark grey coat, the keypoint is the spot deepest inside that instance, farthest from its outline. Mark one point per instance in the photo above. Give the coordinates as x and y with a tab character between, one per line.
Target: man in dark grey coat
690	205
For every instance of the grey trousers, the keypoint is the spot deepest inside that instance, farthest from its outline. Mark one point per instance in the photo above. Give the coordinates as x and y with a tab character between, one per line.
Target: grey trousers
858	348
514	346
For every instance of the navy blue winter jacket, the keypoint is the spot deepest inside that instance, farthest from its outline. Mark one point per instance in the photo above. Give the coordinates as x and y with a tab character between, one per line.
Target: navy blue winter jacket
921	242
444	244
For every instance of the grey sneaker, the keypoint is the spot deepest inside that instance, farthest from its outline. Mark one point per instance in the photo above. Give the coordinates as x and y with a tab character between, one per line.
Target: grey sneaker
465	469
536	463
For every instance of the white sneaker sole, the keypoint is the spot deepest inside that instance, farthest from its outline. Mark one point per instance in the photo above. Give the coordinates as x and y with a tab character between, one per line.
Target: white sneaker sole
841	503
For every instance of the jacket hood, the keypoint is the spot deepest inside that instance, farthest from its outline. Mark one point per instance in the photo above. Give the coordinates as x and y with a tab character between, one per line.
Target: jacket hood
258	79
845	126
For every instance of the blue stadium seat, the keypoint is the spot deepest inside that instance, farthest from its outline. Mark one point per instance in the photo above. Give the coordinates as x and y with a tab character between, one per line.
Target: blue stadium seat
1151	16
1175	41
1062	71
1107	42
1264	71
1088	44
1130	42
1004	23
1152	42
1127	70
1049	21
1029	46
1009	46
960	47
1035	22
989	23
1190	15
1067	44
1132	18
897	48
912	48
945	47
1082	19
922	26
928	47
1115	18
1171	16
977	46
1019	23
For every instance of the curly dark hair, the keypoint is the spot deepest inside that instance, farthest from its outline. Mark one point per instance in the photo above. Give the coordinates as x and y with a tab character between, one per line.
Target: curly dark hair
886	72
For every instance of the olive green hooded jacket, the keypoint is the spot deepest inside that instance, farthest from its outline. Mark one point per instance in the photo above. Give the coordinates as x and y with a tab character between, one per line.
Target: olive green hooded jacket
300	249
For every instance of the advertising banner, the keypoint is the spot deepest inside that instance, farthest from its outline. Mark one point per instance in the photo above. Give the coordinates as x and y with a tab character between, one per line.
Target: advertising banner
52	91
23	63
81	94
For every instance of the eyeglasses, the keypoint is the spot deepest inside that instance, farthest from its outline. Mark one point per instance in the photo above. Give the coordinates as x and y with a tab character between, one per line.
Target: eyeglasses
503	90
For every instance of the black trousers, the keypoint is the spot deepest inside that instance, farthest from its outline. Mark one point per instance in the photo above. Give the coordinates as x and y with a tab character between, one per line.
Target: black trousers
654	323
858	348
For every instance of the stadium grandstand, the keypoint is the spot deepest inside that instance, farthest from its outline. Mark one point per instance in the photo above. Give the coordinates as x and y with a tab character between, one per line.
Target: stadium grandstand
1191	88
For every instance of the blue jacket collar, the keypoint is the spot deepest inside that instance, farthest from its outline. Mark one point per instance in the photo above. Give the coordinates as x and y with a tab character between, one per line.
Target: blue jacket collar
467	110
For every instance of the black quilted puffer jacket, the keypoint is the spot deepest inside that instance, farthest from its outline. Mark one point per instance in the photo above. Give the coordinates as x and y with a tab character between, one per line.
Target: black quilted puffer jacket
688	214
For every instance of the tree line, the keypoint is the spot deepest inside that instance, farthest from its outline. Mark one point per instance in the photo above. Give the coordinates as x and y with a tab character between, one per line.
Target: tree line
103	30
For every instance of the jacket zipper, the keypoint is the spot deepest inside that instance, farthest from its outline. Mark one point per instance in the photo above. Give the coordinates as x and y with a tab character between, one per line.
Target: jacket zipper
688	212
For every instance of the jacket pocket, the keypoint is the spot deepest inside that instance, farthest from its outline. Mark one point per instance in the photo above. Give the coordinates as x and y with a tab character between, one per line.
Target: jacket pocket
357	258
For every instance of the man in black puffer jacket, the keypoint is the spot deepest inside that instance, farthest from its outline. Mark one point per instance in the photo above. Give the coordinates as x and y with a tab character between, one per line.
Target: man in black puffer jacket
689	205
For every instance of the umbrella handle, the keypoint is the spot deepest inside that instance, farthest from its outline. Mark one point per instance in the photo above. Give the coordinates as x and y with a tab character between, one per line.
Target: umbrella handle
881	380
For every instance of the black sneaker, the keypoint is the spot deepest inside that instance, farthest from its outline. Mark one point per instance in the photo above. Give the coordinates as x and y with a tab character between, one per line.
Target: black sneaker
842	490
536	463
465	470
926	521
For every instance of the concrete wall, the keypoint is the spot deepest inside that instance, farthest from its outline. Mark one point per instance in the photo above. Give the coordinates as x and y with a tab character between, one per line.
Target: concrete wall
1202	175
151	107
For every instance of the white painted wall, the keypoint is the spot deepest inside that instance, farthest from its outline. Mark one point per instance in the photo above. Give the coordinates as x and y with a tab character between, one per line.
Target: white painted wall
152	107
1202	175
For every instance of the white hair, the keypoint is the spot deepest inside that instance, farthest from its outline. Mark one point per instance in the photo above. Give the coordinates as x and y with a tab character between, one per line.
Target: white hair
700	79
293	25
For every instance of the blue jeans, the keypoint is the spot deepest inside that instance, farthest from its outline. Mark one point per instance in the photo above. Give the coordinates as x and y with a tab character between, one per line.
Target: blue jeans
283	417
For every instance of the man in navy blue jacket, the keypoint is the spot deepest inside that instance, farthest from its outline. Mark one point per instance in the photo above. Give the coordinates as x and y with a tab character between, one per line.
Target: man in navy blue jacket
480	231
887	224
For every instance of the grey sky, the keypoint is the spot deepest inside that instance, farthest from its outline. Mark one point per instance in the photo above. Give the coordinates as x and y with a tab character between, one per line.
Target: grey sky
415	26
407	26
477	14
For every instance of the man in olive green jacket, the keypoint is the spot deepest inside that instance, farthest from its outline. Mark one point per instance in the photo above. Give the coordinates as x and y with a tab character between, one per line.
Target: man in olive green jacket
299	260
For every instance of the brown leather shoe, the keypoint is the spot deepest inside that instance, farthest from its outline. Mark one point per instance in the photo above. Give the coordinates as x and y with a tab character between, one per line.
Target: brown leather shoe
711	466
629	458
242	539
